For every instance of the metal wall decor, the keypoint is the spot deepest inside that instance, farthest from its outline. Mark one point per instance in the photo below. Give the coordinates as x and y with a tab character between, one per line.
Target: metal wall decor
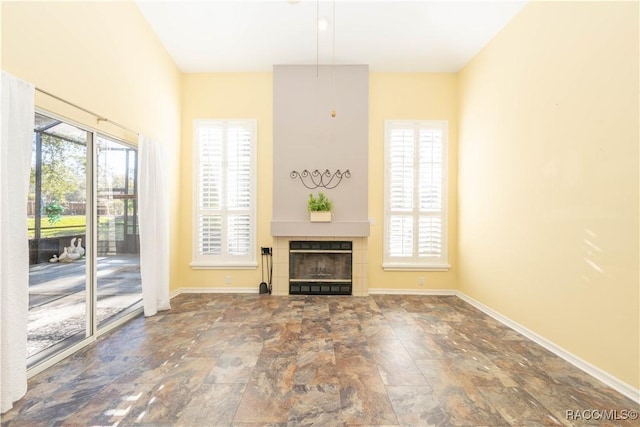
316	179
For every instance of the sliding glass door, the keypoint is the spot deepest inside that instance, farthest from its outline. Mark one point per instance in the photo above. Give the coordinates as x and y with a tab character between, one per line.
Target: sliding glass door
84	271
58	254
118	240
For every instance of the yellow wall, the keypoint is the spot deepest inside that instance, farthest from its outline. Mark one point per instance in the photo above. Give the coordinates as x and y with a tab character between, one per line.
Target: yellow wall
104	57
250	95
548	170
410	96
225	96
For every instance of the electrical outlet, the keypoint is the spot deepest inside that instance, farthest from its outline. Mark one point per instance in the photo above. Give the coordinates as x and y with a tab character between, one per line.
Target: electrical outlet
228	280
421	281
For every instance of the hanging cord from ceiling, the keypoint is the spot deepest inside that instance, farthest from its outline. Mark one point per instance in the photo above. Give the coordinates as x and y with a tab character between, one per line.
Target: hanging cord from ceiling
317	38
333	63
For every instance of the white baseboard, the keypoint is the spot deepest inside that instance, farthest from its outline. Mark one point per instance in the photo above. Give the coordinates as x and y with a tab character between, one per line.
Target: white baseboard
389	291
374	291
193	290
608	379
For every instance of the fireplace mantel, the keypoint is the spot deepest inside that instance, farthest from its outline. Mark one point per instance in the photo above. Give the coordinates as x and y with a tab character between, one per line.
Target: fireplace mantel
315	229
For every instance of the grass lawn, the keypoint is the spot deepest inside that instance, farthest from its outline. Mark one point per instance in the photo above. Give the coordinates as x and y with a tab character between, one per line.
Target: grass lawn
74	224
68	224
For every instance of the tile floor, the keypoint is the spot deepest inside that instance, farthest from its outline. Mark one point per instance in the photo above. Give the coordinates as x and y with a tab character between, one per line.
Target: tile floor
251	360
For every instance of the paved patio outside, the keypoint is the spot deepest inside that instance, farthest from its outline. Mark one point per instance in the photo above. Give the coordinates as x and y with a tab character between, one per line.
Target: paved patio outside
57	297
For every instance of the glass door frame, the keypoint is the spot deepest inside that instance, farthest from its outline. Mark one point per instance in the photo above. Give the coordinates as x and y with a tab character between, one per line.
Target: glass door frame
92	332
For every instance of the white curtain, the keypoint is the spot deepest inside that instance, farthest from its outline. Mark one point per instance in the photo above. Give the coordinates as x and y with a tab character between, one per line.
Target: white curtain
16	138
153	209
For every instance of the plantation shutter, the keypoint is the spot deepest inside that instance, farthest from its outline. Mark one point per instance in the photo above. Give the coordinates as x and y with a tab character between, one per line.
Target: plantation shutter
238	190
225	218
429	192
402	172
414	194
210	195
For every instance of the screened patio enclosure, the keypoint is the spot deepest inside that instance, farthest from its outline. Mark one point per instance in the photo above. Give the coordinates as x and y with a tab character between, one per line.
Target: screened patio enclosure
84	270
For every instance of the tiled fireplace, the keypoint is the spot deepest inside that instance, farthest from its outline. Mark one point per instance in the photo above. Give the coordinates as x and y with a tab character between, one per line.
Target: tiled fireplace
281	266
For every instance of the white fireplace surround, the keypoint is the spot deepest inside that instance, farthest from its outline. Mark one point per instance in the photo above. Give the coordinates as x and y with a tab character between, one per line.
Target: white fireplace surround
360	268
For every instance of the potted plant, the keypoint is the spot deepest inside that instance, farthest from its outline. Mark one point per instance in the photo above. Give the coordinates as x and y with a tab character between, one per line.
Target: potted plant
320	208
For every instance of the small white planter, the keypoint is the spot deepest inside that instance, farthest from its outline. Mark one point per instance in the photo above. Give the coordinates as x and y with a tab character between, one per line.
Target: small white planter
319	216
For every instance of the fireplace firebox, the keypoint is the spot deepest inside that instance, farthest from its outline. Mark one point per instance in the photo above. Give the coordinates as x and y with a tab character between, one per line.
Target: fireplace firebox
320	267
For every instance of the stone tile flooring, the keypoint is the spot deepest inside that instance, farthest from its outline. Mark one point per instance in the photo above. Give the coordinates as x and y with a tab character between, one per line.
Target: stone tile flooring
251	360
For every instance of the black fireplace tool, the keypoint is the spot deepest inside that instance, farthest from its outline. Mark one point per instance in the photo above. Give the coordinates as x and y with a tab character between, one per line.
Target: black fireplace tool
267	263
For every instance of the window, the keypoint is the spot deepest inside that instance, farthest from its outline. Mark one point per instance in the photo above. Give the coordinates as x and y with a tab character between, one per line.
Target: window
415	195
225	194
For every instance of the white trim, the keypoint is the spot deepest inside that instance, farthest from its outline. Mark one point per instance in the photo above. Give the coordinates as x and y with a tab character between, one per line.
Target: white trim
388	291
195	290
372	291
608	379
202	265
391	266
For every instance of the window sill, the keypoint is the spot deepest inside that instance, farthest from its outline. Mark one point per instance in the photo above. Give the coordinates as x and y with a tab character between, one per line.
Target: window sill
223	266
415	267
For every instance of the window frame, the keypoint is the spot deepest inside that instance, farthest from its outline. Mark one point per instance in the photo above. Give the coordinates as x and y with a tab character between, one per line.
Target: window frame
224	261
415	262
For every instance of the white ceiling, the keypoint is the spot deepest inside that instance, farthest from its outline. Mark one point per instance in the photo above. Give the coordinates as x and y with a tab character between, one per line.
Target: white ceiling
388	35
